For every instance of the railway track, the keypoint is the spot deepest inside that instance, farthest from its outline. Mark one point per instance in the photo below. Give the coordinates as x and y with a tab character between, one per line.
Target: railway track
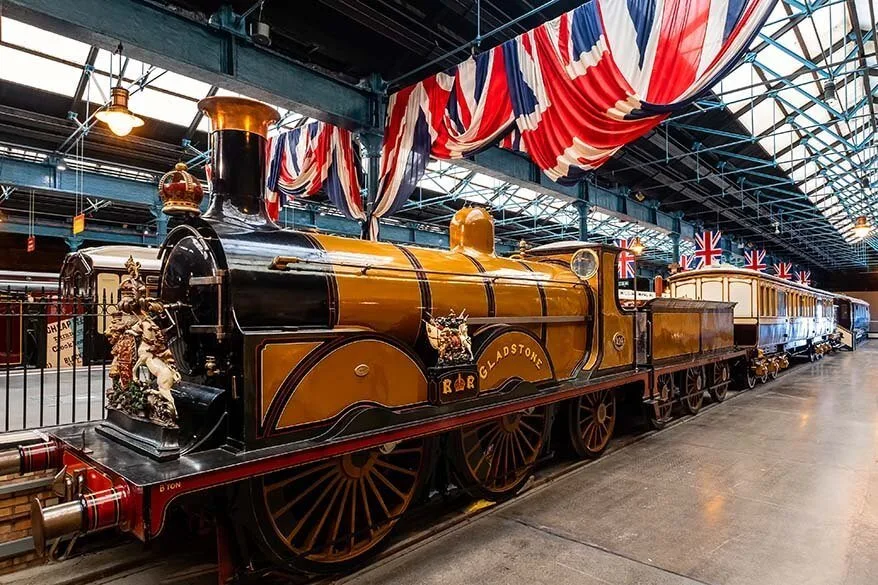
132	563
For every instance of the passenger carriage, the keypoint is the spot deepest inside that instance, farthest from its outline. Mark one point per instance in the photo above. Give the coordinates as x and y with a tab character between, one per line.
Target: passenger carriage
852	320
774	317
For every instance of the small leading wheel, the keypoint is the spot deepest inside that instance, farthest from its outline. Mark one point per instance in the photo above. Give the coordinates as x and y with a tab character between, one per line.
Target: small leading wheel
774	371
720	383
329	515
693	390
764	378
494	459
749	378
663	402
812	355
592	420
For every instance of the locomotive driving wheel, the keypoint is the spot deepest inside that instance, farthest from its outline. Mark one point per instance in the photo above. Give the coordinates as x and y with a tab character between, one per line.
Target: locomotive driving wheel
693	389
721	379
494	459
329	515
592	419
663	401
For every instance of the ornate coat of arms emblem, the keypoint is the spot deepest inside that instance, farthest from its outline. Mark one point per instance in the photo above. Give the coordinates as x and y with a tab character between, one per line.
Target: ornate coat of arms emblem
143	370
450	337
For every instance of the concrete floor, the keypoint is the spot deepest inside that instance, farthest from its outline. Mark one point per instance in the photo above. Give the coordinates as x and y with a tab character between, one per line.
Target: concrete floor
778	486
54	383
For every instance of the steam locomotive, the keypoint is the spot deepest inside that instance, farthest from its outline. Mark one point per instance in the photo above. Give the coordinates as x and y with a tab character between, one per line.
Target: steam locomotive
304	380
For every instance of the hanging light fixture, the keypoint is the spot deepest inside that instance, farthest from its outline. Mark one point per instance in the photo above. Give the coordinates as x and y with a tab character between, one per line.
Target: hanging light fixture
862	227
637	246
117	115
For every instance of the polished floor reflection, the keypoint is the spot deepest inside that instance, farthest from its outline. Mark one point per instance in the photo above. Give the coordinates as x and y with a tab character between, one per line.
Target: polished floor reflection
778	486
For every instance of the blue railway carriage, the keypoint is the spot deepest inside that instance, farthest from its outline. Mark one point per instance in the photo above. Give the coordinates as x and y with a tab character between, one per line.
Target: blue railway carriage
852	321
775	318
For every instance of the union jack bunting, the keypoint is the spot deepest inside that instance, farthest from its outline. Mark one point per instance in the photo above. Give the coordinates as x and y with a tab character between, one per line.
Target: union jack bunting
685	262
626	260
707	249
784	270
576	88
755	260
316	156
804	277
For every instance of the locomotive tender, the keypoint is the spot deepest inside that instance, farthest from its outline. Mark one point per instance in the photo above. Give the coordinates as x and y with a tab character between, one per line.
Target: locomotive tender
313	375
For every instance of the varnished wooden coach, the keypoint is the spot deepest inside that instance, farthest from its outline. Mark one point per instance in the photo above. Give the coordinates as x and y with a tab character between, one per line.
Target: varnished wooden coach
773	317
305	379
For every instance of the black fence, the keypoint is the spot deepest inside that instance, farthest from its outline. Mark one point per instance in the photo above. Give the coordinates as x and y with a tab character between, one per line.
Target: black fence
54	358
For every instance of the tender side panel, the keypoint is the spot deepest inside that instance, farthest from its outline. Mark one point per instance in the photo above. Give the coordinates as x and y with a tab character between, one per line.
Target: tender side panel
363	371
717	330
675	334
387	297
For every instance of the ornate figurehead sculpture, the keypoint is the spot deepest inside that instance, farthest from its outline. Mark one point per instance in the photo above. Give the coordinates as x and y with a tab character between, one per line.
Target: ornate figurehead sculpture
449	336
143	371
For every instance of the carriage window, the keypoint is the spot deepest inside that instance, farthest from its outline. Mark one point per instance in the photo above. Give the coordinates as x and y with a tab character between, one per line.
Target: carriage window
741	293
781	303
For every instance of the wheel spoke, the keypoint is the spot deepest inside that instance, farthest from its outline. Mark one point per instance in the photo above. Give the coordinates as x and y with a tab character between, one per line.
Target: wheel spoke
286	507
284	482
393	467
388	483
313	507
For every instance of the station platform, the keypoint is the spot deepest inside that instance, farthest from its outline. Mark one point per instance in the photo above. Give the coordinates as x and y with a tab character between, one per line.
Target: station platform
776	486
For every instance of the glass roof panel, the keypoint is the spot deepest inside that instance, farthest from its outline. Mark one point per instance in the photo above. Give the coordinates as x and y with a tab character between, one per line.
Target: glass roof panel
38	72
41	41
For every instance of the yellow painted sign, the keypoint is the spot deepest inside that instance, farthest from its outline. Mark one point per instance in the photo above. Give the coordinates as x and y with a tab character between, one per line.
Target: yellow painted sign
79	223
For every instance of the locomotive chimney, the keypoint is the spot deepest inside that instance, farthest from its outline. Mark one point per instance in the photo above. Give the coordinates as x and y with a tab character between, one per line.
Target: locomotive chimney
238	136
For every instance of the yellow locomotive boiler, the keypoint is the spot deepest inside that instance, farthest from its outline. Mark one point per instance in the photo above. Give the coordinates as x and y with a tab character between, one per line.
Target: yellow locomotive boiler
305	380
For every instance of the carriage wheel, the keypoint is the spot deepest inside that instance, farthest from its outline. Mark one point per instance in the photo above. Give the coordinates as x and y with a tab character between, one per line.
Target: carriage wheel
663	403
592	420
721	380
764	378
774	373
750	378
329	515
494	459
693	390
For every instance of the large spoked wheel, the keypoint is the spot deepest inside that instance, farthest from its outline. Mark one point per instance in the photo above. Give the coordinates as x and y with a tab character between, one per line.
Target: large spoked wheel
592	420
494	459
693	390
330	515
663	402
721	379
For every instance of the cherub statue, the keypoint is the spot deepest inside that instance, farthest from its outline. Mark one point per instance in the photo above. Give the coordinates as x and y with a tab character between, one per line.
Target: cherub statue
143	370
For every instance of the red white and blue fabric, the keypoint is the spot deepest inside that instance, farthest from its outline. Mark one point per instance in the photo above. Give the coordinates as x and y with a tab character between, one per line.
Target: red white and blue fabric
755	260
784	270
576	88
804	277
314	157
707	249
626	260
685	262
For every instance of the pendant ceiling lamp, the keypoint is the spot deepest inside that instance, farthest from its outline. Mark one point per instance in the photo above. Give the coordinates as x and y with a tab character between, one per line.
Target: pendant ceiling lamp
637	246
862	227
117	115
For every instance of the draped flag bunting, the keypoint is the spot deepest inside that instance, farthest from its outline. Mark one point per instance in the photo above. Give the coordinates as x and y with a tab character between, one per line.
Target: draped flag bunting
804	277
707	249
685	262
316	156
784	270
569	93
755	260
626	260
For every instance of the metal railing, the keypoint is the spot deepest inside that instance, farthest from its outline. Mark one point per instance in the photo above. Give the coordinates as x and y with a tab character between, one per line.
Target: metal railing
54	358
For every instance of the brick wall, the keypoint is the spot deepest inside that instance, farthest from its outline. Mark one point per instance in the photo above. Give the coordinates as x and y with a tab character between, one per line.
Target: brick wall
15	515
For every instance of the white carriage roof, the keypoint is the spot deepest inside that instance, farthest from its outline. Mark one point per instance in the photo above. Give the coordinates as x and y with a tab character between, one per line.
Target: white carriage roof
729	269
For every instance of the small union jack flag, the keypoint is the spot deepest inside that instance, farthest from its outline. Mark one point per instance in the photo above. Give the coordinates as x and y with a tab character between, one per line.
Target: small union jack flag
626	260
755	260
685	262
784	270
804	277
707	249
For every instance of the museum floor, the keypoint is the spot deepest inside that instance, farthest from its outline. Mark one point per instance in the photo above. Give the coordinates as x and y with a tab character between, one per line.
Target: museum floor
776	486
